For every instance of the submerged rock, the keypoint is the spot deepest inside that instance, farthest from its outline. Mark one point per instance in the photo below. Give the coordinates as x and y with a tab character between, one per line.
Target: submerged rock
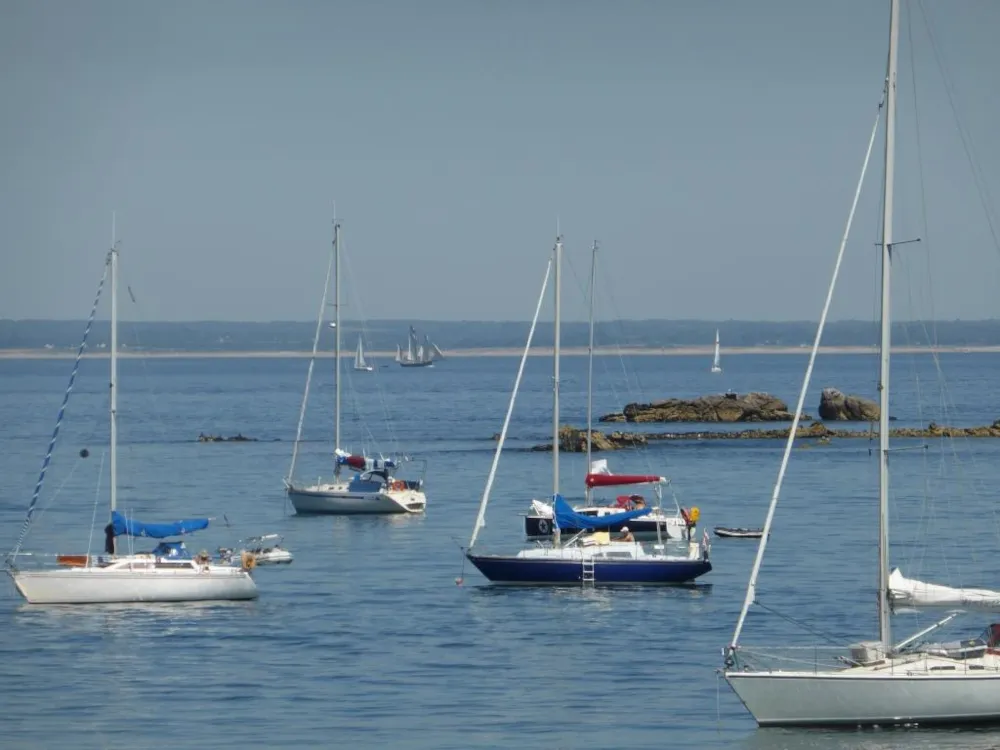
836	406
237	438
723	407
573	440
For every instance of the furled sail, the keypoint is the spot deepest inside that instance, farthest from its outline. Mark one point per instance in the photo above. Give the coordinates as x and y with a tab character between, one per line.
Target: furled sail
567	518
347	459
600	476
130	526
909	592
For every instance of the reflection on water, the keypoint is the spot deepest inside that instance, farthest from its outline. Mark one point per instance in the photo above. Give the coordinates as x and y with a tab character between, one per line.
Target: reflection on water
139	618
873	739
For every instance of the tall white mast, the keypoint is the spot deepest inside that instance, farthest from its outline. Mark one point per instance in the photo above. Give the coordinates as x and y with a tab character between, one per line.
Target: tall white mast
590	358
555	372
336	332
114	368
884	624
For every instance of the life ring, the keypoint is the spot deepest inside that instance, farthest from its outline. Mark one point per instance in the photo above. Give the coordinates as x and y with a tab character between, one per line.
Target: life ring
543	526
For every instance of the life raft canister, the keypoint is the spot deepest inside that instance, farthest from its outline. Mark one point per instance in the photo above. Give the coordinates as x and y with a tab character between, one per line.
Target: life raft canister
690	516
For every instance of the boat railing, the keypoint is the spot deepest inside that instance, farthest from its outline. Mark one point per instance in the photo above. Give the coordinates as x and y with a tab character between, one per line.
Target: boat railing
789	658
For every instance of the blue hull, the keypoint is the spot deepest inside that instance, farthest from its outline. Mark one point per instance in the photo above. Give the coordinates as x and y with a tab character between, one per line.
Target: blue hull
519	571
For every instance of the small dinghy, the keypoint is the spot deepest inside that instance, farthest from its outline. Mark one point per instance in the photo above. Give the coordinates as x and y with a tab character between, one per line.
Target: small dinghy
266	550
738	533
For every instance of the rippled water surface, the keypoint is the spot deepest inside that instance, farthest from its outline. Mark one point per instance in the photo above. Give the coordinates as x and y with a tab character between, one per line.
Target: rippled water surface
367	641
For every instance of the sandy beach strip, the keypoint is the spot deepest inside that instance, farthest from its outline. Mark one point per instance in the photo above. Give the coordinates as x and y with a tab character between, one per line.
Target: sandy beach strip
383	356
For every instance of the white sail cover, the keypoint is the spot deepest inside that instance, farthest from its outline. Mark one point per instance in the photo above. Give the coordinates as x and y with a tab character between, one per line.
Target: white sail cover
919	594
600	466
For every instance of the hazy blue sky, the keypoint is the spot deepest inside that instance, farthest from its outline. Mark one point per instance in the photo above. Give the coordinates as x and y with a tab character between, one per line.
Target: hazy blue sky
712	147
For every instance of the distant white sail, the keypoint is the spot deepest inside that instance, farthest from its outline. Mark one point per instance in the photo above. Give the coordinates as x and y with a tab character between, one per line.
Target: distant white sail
359	358
716	360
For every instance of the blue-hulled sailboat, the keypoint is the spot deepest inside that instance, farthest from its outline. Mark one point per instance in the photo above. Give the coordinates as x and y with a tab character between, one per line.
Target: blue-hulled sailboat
589	556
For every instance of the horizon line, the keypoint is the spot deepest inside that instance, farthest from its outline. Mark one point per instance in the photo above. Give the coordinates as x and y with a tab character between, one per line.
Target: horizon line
289	321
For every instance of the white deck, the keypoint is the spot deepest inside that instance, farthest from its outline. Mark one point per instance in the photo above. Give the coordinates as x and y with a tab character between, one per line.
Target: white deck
598	548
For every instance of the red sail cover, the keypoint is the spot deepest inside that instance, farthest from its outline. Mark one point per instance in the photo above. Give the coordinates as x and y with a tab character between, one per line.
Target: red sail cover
355	462
616	480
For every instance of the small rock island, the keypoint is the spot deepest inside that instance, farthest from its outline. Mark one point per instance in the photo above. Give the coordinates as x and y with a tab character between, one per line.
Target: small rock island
723	407
834	406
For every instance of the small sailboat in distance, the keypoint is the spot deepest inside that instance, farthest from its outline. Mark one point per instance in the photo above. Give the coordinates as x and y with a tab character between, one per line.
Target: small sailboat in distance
359	359
716	360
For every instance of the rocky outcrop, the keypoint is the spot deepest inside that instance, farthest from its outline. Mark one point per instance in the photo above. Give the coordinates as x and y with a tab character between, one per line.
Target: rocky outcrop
836	406
723	407
237	438
572	440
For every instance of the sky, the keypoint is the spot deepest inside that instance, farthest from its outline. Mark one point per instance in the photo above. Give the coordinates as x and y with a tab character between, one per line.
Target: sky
712	148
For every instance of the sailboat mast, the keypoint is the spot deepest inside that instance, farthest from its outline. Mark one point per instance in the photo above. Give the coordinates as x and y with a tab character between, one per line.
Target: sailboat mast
590	359
113	409
884	623
555	370
336	332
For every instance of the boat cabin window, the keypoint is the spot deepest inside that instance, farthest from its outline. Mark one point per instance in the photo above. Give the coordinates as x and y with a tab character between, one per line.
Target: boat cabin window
174	564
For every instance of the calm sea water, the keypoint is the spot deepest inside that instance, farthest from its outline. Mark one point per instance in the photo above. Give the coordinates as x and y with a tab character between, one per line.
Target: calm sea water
367	641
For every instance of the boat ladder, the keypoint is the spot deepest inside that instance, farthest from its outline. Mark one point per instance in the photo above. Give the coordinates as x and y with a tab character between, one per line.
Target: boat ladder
588	571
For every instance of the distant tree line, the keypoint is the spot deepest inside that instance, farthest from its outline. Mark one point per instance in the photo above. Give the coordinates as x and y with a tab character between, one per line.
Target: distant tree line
386	334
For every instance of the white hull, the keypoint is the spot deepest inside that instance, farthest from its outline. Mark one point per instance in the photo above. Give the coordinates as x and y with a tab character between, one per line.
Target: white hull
274	557
106	585
923	691
337	500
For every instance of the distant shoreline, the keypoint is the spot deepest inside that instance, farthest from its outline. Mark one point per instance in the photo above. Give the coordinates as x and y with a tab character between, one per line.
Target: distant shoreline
386	356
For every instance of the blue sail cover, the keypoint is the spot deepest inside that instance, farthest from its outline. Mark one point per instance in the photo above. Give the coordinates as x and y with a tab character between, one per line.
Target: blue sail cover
567	518
132	527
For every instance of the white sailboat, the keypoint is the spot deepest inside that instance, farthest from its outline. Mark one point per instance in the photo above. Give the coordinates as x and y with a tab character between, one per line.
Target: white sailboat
873	682
716	359
371	486
360	364
167	574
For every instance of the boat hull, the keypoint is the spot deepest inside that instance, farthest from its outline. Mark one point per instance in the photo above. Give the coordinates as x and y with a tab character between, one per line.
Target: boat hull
101	586
738	533
307	501
845	699
416	364
274	557
520	571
